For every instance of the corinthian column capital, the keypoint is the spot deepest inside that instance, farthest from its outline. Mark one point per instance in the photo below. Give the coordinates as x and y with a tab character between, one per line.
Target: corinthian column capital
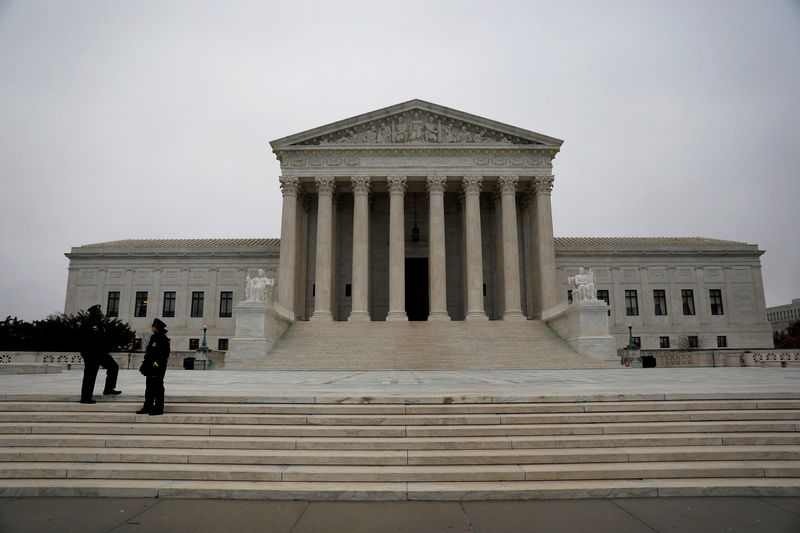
472	184
396	184
507	184
543	184
326	185
436	184
290	185
361	185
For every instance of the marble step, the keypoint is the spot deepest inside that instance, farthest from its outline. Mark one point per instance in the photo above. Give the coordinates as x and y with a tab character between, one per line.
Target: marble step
400	409
718	469
409	420
495	430
401	457
399	443
431	491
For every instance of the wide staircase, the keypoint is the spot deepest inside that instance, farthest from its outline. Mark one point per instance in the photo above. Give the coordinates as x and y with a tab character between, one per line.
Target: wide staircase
456	345
402	449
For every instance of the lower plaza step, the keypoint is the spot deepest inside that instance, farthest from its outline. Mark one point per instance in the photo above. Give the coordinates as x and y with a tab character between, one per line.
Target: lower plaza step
402	451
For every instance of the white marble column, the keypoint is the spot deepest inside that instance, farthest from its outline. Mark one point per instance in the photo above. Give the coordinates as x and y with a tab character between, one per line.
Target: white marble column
360	307
472	222
290	187
397	249
436	249
323	275
545	247
507	186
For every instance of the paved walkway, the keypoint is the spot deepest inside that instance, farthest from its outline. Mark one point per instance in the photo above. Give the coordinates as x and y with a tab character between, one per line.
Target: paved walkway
434	386
635	515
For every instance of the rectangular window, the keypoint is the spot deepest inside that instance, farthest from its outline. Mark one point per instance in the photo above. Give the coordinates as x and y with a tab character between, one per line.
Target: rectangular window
569	296
141	304
631	303
226	304
715	295
169	304
112	309
222	345
722	341
637	341
603	295
687	296
660	302
693	341
197	303
194	344
663	342
137	344
348	290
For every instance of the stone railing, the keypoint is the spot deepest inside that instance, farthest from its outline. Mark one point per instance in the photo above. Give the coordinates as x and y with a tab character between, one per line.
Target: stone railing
721	358
74	359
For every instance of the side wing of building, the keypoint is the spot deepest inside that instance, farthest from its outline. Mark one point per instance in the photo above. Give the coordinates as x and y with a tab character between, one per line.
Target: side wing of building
674	292
187	283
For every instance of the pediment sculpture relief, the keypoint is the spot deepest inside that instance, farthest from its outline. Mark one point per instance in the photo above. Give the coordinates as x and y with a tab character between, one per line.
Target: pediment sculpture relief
416	127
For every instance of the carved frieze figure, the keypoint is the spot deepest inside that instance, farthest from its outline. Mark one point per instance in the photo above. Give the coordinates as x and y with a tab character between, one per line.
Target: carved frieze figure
416	130
582	285
416	127
432	131
258	289
399	131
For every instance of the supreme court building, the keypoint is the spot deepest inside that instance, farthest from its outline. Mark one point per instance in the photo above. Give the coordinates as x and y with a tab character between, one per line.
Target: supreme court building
418	212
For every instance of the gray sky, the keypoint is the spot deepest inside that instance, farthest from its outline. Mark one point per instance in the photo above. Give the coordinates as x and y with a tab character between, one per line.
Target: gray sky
138	119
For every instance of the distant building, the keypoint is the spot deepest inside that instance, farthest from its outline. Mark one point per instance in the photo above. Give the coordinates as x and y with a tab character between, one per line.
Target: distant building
781	316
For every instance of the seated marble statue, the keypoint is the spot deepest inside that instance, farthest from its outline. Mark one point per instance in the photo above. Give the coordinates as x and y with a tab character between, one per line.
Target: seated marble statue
258	289
582	285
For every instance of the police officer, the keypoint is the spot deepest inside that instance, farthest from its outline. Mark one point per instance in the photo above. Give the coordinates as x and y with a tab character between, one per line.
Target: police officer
94	350
154	366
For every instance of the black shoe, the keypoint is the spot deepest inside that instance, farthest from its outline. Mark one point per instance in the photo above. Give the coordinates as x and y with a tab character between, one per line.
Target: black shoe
111	392
155	413
87	401
143	411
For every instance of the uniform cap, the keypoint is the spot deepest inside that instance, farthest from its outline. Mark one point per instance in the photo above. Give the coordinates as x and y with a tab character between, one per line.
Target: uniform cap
159	324
94	309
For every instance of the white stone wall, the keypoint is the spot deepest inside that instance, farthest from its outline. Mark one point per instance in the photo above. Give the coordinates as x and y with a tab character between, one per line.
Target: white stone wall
94	272
735	271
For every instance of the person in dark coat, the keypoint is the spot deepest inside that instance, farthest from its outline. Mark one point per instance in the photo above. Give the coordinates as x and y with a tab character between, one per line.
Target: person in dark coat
95	353
154	366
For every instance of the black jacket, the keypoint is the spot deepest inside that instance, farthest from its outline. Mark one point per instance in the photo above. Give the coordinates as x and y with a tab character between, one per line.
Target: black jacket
156	355
93	339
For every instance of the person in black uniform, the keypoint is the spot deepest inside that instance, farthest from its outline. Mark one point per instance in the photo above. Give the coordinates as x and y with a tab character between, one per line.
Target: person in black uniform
94	350
154	366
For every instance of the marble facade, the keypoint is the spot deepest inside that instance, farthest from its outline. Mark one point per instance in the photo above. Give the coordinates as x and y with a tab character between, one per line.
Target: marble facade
421	212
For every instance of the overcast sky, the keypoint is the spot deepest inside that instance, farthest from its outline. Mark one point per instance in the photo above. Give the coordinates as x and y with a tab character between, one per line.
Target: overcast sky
137	119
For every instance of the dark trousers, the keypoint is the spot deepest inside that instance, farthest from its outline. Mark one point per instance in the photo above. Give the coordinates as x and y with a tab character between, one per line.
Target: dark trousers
90	367
154	393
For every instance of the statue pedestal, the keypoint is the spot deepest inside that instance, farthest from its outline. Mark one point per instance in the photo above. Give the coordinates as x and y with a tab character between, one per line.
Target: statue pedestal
584	325
258	327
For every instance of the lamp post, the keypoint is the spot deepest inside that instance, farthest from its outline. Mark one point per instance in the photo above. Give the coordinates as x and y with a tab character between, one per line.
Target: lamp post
203	351
631	345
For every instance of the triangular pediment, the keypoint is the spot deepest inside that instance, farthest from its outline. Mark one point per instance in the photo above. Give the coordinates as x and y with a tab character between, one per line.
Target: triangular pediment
415	122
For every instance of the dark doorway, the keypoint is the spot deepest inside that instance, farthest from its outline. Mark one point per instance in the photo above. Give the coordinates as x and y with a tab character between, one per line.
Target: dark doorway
417	288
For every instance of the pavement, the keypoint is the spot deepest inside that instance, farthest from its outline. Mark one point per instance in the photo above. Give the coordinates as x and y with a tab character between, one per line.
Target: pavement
428	386
630	515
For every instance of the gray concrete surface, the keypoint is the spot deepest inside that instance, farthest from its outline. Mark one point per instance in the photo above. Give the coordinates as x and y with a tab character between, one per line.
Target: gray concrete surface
483	385
662	515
